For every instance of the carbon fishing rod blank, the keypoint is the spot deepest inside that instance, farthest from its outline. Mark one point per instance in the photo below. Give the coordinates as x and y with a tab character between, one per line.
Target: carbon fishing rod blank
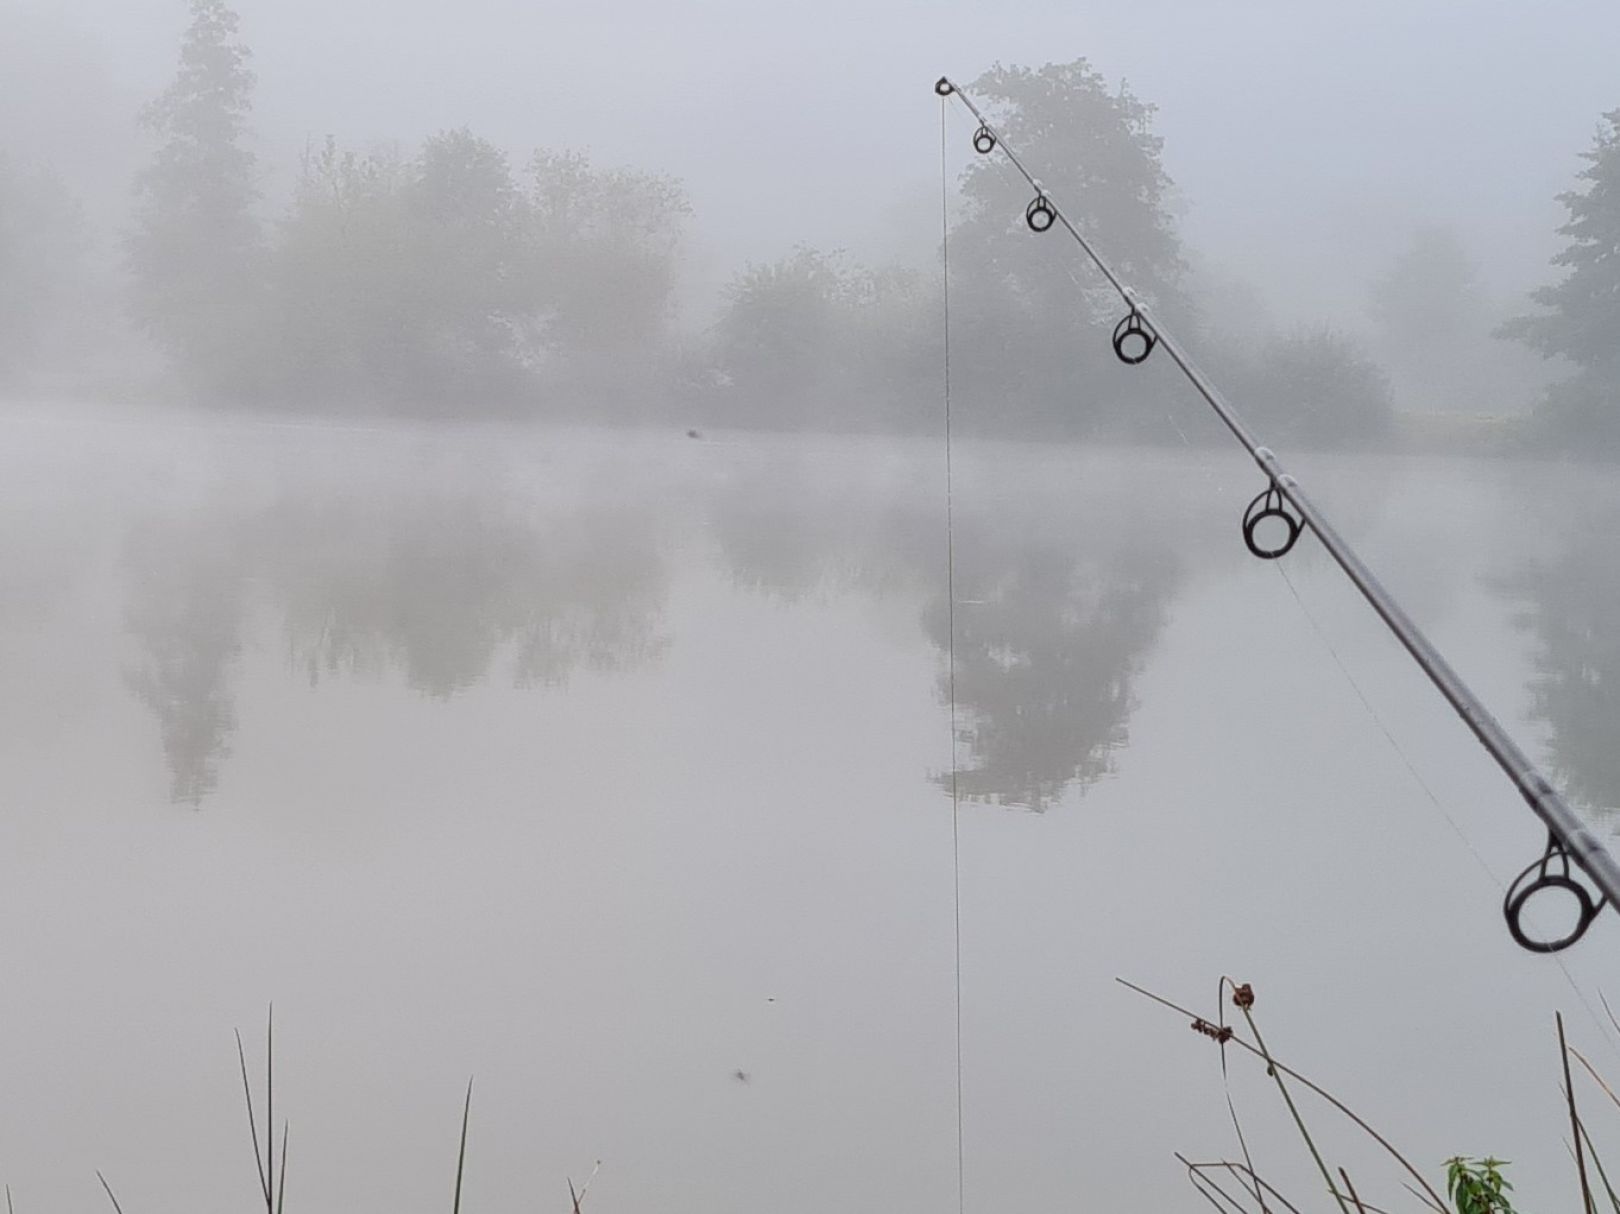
1572	849
1552	872
984	140
1133	340
1039	214
1270	503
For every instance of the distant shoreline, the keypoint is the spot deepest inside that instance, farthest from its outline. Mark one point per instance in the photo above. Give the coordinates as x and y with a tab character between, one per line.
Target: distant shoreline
1483	436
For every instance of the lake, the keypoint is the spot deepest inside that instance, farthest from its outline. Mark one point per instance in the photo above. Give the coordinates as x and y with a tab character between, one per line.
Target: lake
615	769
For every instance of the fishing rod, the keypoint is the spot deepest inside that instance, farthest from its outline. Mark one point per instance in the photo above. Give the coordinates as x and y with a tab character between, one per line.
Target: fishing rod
1572	850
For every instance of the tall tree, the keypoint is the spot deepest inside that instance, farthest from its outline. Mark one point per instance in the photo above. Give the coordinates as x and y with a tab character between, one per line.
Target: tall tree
1430	297
1582	317
1434	328
814	341
398	283
603	246
441	283
1094	150
336	275
1025	296
1317	388
464	220
194	252
778	336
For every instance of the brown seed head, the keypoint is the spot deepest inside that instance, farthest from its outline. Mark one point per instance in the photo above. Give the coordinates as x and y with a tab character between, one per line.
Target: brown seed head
1223	1033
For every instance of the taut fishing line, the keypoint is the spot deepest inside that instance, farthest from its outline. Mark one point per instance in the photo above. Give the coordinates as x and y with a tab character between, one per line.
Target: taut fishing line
1428	791
1572	851
950	624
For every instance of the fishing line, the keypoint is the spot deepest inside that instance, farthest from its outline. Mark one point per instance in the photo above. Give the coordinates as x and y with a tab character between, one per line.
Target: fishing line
985	141
1389	736
950	624
1428	791
1571	846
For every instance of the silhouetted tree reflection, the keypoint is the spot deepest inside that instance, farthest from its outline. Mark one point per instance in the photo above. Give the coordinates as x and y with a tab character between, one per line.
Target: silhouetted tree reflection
438	588
1570	612
599	609
787	535
431	591
184	611
593	598
448	586
1048	640
1053	619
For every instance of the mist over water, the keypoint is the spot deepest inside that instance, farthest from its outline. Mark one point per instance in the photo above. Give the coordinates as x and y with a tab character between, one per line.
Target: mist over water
607	766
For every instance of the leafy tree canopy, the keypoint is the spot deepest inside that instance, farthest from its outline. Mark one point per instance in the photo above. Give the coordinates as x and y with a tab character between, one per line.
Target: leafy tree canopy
1581	320
1094	150
194	251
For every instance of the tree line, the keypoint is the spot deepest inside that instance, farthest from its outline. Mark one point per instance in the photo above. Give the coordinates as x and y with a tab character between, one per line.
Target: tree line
451	280
445	280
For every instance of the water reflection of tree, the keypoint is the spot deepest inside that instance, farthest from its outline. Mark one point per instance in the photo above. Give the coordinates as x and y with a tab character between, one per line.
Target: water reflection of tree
600	606
439	589
1049	637
184	610
1570	610
789	533
1052	622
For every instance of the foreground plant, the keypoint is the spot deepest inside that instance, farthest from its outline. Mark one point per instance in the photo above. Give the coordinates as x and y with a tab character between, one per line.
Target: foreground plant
1473	1186
1477	1186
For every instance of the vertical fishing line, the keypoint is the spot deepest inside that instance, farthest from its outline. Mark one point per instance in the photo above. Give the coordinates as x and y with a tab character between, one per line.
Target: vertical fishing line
950	624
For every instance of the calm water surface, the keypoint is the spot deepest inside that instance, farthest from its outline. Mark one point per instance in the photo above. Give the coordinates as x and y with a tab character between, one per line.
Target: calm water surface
615	769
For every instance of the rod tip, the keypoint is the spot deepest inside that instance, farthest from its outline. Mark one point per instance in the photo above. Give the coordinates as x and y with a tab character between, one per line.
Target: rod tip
944	87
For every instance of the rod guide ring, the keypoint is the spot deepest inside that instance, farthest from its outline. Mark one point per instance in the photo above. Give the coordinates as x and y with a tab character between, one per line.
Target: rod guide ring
1133	339
1270	503
1039	214
1552	872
